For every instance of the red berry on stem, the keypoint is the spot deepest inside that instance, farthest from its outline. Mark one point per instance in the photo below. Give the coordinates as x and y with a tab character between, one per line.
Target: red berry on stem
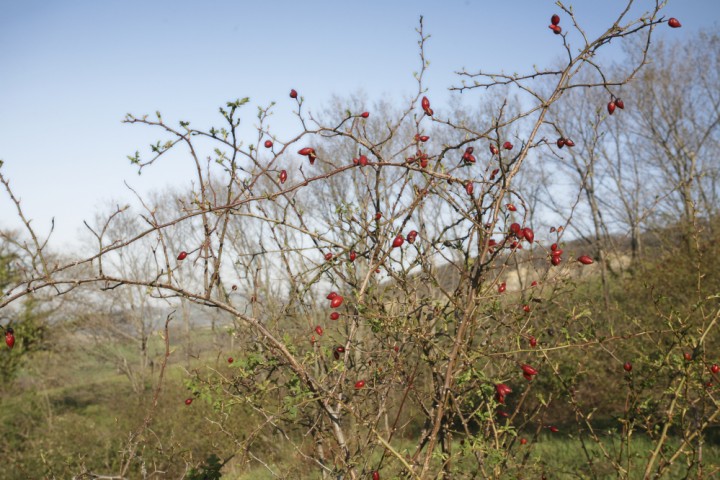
336	302
560	142
628	367
515	228
319	330
620	104
10	337
502	287
611	108
182	255
375	475
674	23
306	151
715	368
501	390
528	370
508	146
283	176
511	207
555	19
555	260
688	356
328	256
493	149
469	188
398	241
557	29
425	103
526	308
365	114
331	295
352	256
231	359
523	441
412	236
359	384
585	260
529	235
188	401
268	143
334	316
554	429
533	342
293	93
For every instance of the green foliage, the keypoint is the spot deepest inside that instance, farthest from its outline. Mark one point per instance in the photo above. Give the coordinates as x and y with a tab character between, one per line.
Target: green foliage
209	470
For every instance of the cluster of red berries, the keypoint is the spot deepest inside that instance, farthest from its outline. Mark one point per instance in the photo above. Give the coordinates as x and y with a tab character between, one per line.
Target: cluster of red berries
555	24
308	152
420	157
615	102
564	142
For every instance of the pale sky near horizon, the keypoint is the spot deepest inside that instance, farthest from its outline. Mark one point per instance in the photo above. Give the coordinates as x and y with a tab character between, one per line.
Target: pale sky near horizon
71	70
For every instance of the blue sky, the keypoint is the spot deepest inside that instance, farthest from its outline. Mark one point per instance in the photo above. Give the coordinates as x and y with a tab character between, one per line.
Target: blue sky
71	70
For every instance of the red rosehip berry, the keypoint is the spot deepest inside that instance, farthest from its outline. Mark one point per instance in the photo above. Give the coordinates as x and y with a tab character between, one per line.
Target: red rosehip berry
10	337
365	114
268	143
293	93
628	367
555	19
182	255
611	108
674	23
585	260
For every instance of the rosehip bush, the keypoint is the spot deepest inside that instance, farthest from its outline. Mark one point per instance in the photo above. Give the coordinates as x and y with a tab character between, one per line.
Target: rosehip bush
394	310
